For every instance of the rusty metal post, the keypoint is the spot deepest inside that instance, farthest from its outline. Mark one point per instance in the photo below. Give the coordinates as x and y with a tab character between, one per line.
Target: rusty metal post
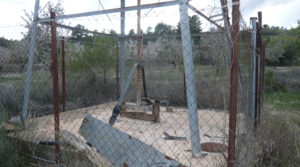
139	57
156	112
233	83
258	75
263	78
55	86
262	66
260	18
63	80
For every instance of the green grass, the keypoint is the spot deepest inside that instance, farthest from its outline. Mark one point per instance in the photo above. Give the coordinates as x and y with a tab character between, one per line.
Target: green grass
284	100
8	79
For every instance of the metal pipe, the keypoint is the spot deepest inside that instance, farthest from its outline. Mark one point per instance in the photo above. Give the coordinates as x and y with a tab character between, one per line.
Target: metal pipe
258	74
260	18
117	73
122	50
55	86
63	80
227	25
254	57
144	82
262	67
139	57
233	82
207	18
190	78
126	84
28	77
263	77
115	10
82	30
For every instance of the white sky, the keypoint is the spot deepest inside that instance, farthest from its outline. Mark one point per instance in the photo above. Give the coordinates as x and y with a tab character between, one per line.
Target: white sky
283	13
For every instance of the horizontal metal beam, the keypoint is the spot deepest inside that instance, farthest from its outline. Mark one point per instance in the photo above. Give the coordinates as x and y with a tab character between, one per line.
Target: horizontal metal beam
217	15
83	30
204	16
114	10
87	31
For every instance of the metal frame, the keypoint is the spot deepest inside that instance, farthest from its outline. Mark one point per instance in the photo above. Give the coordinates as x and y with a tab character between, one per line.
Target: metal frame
253	68
122	50
207	18
115	10
55	87
187	56
28	75
190	78
231	160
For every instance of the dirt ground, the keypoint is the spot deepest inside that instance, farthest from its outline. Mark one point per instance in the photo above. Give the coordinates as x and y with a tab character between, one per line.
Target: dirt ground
213	128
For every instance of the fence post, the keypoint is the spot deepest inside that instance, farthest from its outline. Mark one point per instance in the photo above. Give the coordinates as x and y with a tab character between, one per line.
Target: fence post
122	50
63	81
139	56
55	86
189	78
28	76
262	66
117	73
233	82
254	58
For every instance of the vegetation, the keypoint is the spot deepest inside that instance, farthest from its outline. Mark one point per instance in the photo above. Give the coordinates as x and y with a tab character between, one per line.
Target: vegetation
282	45
278	139
278	135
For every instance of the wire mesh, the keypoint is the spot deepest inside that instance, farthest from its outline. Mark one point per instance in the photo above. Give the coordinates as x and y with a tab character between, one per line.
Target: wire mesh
183	116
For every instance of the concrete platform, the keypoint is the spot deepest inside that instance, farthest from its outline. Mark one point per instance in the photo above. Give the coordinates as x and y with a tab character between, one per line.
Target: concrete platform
213	128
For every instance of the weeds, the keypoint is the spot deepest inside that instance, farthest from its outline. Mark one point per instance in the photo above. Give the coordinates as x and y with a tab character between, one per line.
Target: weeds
277	141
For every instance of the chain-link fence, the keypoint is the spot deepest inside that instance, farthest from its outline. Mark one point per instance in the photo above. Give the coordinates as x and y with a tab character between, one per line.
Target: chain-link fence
153	98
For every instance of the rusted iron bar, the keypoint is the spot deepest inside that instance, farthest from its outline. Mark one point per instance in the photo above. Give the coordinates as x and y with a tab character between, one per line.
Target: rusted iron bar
63	80
262	66
207	18
139	57
260	18
55	86
258	75
233	83
262	79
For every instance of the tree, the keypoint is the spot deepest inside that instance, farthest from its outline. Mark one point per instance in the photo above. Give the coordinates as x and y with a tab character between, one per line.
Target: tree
77	34
131	32
195	28
162	28
43	44
98	55
282	45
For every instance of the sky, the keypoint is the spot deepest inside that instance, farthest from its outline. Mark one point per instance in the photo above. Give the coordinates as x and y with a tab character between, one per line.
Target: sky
283	13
